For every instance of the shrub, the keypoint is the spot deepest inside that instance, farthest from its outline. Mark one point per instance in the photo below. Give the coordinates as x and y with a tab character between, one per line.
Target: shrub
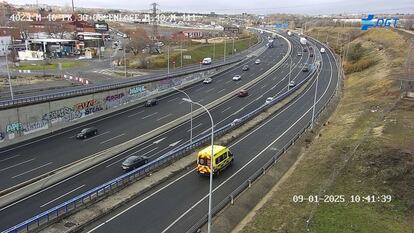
359	65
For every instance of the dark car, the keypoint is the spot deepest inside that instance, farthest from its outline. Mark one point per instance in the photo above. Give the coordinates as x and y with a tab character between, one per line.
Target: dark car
243	93
311	55
133	162
305	68
305	50
87	132
151	102
245	68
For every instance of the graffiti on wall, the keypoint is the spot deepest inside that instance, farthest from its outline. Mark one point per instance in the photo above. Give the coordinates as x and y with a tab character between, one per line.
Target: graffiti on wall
2	136
136	90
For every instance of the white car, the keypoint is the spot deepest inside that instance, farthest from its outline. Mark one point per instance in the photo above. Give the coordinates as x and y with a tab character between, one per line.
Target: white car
237	78
322	50
207	80
257	61
292	83
269	99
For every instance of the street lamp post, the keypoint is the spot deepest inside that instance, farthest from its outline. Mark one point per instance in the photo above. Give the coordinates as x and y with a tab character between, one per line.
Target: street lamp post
168	60
211	162
8	73
191	113
290	72
225	49
214	50
314	101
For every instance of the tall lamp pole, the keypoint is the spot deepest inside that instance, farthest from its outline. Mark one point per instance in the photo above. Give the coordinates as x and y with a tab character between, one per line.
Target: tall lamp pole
8	73
191	113
290	72
211	162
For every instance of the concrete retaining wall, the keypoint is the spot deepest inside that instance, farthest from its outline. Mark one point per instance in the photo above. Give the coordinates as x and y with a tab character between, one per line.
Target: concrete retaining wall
27	122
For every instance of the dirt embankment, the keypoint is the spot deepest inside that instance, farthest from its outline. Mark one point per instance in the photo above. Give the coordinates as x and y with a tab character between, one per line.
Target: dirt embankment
365	153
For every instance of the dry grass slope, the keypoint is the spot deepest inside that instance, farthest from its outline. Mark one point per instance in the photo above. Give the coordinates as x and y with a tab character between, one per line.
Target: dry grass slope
366	149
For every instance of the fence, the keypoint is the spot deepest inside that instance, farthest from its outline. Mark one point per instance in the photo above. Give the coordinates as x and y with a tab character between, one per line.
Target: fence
105	189
125	83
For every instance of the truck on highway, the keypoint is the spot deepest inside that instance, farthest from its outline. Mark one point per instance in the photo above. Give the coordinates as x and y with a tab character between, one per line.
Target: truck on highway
206	61
303	40
222	158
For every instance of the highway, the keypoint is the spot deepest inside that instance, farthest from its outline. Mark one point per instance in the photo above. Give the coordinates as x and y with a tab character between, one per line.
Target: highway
176	205
155	147
23	162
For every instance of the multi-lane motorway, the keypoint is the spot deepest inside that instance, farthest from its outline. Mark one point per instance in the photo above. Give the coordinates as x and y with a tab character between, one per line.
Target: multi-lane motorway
25	162
179	203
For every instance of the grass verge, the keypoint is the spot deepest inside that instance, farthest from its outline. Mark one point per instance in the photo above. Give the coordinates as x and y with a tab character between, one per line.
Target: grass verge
366	149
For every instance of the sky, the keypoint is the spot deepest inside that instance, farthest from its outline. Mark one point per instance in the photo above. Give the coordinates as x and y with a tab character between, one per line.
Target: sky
314	7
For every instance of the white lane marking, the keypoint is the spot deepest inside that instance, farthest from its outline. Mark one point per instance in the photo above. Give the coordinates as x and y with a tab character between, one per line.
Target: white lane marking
221	90
159	140
12	157
207	91
195	127
168	115
112	138
181	216
72	136
181	102
263	86
136	113
34	169
228	81
175	143
139	202
15	165
101	134
226	109
171	100
255	157
62	196
150	115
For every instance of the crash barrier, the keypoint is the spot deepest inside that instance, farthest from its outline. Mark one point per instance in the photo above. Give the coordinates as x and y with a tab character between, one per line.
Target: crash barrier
261	171
109	187
124	83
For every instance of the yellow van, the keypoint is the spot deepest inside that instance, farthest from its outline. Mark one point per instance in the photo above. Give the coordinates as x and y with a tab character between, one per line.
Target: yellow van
222	158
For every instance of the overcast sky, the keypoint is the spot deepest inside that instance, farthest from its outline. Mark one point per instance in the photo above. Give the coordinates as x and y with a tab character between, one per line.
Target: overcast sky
249	6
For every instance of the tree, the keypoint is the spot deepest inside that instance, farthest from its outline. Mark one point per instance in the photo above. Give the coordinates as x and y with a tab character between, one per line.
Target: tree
138	40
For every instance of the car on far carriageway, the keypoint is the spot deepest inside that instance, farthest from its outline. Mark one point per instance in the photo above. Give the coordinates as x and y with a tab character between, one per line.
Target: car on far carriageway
268	100
292	83
207	80
151	102
134	162
236	78
257	61
87	132
245	68
243	93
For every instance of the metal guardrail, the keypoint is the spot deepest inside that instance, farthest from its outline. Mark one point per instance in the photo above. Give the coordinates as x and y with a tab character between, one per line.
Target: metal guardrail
103	190
120	84
247	184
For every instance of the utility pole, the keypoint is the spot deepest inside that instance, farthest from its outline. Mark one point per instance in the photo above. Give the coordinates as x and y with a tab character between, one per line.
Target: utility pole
232	51
154	22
